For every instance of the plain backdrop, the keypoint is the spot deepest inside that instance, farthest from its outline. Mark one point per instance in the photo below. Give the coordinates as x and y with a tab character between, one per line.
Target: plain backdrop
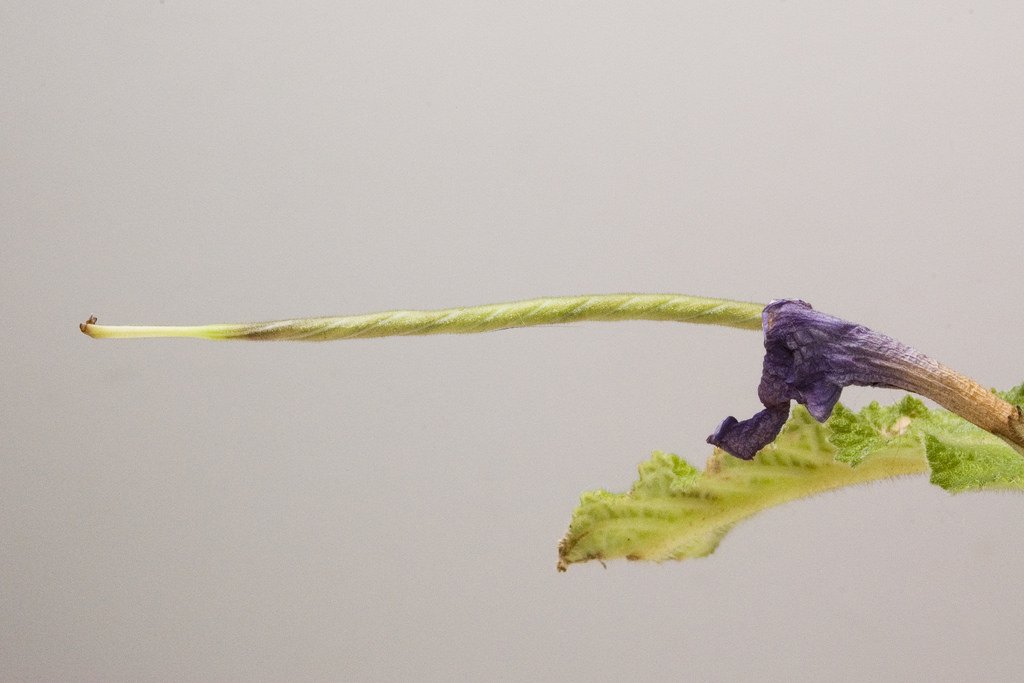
389	509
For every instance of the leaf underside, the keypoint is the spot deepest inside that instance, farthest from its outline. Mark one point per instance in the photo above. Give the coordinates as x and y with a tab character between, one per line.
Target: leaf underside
676	512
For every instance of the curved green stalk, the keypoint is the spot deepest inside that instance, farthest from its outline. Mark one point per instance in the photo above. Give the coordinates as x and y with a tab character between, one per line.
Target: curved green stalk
544	311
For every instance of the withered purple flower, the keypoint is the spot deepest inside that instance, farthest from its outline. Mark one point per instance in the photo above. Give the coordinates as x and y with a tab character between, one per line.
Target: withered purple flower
811	356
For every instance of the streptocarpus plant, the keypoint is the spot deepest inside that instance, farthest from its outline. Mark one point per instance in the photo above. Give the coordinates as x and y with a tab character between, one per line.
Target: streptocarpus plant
675	512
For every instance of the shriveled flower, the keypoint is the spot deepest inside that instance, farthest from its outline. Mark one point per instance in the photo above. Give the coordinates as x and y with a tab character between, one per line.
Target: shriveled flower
811	356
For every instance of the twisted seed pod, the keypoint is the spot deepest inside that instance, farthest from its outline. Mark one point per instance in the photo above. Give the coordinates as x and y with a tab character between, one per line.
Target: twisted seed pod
469	320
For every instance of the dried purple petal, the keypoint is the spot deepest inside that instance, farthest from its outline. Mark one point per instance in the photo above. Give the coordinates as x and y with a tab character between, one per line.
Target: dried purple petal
745	439
811	356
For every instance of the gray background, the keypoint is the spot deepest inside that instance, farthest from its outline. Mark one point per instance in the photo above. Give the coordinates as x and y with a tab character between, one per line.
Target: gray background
389	509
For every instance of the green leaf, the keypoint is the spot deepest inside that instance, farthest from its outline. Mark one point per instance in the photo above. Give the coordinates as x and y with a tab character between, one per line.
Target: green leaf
1015	395
675	512
965	458
855	435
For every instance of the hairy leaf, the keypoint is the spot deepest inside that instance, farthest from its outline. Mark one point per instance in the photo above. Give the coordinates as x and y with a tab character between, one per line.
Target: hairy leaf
675	512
